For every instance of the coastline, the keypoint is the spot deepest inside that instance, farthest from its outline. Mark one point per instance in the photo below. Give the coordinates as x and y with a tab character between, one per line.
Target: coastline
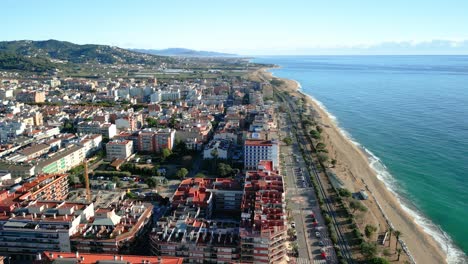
355	169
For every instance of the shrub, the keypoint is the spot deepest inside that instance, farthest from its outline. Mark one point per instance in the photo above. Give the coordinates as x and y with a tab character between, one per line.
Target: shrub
369	230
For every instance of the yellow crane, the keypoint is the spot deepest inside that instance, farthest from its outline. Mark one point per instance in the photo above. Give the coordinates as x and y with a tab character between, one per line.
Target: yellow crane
88	190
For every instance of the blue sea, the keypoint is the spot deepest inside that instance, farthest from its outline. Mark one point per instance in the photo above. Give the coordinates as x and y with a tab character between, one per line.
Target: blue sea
411	114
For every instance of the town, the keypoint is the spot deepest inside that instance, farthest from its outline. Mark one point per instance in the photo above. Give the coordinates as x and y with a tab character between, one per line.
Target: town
186	169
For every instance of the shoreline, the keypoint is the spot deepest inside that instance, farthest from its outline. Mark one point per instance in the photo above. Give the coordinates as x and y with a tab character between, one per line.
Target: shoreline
356	160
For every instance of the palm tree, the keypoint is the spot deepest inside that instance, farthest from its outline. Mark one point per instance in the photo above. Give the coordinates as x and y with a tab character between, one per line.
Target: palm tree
399	253
397	236
390	230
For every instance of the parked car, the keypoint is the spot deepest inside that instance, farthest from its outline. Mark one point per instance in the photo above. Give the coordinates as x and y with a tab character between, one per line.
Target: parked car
317	234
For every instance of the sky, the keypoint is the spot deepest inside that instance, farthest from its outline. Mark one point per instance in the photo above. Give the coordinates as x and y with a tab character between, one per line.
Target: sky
248	27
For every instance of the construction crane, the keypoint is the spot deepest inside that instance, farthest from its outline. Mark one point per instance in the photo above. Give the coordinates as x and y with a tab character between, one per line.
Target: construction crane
88	190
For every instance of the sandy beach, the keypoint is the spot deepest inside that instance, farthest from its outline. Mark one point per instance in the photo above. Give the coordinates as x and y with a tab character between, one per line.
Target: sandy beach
354	170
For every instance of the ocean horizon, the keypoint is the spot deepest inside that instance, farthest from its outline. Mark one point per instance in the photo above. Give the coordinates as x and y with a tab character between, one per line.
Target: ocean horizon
410	115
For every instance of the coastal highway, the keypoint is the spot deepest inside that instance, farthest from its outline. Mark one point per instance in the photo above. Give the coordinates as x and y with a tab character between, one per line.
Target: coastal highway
302	203
304	142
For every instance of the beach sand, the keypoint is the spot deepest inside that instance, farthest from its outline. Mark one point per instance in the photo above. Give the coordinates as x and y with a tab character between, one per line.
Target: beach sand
354	170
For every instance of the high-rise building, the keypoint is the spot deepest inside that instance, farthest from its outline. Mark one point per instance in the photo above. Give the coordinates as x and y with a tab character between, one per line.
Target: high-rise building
256	150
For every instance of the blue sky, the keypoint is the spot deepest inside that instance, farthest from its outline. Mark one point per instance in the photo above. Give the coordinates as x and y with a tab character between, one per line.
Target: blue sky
247	26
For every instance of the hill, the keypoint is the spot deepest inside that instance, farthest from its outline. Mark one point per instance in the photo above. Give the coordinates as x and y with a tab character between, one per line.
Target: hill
10	61
184	52
74	53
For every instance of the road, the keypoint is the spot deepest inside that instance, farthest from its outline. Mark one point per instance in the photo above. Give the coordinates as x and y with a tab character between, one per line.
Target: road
305	143
302	202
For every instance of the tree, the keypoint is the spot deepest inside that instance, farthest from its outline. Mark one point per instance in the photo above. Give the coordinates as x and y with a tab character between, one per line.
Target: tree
378	260
399	253
320	146
344	192
151	182
287	141
319	129
357	205
315	134
117	181
200	175
224	169
152	122
390	231
165	153
322	157
369	230
368	250
182	173
397	236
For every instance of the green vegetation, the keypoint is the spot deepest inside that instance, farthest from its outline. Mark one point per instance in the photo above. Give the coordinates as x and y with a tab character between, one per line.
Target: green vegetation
357	205
66	51
322	157
112	173
369	230
151	182
377	260
315	134
276	82
344	192
200	175
10	61
287	141
368	250
182	173
224	169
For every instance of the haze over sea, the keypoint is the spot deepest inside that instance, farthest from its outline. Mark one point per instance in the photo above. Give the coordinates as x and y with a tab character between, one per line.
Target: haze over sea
411	112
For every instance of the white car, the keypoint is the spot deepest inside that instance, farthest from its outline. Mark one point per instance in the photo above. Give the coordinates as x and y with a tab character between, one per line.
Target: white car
317	234
293	225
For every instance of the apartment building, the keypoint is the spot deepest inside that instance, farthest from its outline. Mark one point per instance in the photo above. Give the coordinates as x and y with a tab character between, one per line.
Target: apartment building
112	230
31	96
40	226
62	161
119	149
263	231
107	130
256	150
49	257
199	226
155	140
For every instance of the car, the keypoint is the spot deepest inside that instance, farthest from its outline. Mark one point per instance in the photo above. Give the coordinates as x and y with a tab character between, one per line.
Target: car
317	234
321	243
323	254
293	225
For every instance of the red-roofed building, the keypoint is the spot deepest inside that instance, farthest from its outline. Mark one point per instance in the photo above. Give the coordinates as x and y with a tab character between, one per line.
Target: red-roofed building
88	258
263	231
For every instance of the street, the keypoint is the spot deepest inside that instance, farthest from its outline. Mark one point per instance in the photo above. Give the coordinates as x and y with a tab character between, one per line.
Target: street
302	203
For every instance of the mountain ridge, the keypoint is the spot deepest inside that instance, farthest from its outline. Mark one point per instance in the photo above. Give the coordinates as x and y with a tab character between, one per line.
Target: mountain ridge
183	52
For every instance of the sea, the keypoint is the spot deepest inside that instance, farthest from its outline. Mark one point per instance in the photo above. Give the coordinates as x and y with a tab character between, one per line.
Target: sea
410	114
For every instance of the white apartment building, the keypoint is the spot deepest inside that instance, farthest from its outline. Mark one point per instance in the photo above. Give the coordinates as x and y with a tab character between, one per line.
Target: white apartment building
107	130
119	149
165	95
256	150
